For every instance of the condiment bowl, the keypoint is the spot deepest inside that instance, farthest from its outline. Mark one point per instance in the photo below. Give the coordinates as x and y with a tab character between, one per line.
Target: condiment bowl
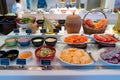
26	55
11	42
24	41
11	54
50	41
37	41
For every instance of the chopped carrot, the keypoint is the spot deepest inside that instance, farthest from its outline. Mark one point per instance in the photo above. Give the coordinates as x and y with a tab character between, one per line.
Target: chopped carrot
26	54
76	39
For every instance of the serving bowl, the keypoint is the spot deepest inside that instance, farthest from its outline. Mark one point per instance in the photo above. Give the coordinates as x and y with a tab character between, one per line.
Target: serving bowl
50	41
26	55
37	41
2	54
11	54
24	41
24	21
45	53
40	21
11	42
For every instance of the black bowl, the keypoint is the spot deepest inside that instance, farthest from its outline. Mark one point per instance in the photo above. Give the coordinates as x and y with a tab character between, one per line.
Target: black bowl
2	54
11	20
50	41
37	41
61	21
1	19
40	21
11	54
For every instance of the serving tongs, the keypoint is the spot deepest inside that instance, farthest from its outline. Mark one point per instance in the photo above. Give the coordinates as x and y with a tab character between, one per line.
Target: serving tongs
90	55
2	46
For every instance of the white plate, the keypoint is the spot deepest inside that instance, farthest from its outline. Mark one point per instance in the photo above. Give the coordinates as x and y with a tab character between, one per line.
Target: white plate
67	63
63	37
103	42
100	52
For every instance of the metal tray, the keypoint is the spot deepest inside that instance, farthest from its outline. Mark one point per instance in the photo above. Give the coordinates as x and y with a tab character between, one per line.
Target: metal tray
56	64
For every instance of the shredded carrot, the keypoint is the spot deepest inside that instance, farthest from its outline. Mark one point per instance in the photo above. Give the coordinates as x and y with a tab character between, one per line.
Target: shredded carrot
25	55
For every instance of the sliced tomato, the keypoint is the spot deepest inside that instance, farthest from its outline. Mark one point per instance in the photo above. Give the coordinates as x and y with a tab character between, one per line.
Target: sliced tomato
108	38
113	39
99	38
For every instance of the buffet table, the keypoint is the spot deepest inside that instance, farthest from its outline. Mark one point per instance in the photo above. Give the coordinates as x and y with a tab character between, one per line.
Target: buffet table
59	70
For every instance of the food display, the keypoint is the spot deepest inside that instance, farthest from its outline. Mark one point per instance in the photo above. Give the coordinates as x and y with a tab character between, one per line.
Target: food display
75	56
45	52
71	49
75	39
110	55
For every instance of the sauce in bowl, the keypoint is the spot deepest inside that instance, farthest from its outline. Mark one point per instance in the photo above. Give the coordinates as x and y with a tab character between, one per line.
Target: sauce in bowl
50	40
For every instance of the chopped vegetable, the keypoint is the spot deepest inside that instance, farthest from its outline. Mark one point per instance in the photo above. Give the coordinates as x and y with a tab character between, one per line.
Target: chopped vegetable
26	54
45	52
75	39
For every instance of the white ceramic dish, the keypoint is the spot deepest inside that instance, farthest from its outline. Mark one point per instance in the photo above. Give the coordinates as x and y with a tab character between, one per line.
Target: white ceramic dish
70	64
100	58
63	37
103	42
